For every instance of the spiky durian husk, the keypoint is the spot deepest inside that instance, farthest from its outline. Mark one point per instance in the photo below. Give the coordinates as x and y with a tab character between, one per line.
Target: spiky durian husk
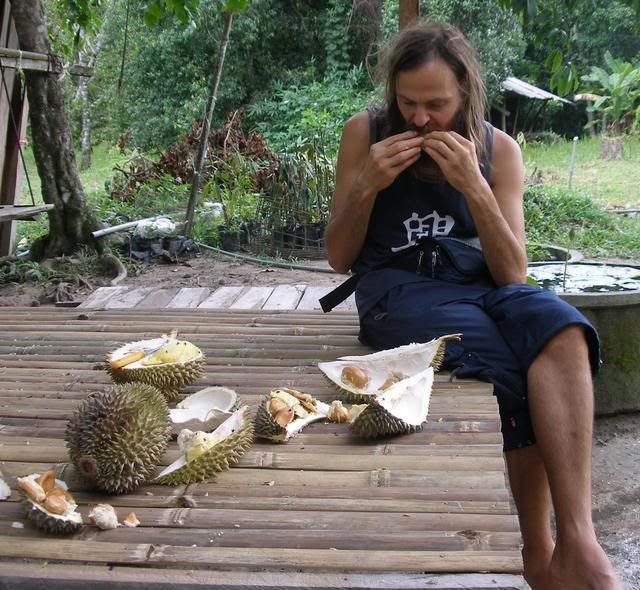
265	426
170	378
218	458
117	437
49	523
374	421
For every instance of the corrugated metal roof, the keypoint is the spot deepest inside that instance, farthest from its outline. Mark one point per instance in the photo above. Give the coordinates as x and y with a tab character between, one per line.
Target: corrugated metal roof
526	89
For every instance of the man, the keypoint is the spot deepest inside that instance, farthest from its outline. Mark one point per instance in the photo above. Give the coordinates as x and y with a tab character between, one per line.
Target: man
428	212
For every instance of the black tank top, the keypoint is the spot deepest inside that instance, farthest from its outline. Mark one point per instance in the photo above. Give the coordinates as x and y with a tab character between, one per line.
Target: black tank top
410	209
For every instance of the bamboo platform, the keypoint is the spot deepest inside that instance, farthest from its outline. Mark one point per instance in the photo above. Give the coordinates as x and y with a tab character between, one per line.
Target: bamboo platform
325	510
274	297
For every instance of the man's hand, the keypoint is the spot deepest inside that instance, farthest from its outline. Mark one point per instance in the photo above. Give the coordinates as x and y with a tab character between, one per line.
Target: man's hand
388	158
456	157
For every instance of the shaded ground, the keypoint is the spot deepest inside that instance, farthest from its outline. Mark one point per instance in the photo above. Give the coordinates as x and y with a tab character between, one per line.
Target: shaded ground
616	452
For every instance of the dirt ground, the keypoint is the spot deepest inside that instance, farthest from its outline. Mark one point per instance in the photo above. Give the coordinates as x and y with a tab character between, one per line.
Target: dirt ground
616	450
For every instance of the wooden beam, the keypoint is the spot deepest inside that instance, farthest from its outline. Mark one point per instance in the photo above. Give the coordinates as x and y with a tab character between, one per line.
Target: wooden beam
409	12
13	213
38	62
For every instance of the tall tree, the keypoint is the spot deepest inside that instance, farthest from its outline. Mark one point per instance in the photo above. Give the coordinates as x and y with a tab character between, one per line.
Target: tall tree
72	220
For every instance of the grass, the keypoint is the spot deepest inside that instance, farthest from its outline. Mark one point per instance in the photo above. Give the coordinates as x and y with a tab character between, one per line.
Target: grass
611	184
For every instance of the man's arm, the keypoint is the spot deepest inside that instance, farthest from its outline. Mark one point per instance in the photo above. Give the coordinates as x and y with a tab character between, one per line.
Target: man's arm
497	209
362	172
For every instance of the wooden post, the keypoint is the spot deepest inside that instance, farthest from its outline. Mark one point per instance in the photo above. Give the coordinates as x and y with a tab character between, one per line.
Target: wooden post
409	12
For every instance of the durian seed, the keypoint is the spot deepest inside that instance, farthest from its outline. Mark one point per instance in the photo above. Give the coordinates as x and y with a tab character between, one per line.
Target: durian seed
284	416
276	405
47	481
338	413
32	489
303	397
59	492
355	376
393	378
56	504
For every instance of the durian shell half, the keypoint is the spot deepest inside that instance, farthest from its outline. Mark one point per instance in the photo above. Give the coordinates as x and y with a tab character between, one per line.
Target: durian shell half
235	437
403	361
266	427
169	378
54	524
204	410
400	409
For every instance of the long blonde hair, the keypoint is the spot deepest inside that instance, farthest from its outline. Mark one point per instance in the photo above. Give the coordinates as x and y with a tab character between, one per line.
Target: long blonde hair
422	43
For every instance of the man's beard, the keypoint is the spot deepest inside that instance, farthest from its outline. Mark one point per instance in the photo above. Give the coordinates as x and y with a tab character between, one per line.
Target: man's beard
425	168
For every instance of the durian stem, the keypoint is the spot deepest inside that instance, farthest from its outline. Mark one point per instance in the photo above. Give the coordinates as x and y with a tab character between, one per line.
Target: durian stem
88	467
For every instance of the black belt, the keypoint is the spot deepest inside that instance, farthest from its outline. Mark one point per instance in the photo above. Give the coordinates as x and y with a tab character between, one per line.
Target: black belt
413	261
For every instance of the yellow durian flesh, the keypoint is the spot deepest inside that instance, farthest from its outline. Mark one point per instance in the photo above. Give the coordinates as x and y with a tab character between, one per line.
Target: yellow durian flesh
177	351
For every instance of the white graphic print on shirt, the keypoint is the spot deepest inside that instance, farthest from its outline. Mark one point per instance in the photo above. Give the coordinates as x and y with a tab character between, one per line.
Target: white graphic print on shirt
424	227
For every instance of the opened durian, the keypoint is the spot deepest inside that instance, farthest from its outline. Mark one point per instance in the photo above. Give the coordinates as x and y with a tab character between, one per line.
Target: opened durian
285	412
399	409
167	363
48	504
204	410
117	437
205	454
361	377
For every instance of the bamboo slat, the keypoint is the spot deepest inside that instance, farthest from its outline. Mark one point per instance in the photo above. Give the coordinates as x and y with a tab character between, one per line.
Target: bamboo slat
405	507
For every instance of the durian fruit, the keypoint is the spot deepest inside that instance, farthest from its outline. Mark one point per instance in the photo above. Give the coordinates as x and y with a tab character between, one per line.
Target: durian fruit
117	437
48	504
205	454
401	408
361	377
167	363
204	410
285	412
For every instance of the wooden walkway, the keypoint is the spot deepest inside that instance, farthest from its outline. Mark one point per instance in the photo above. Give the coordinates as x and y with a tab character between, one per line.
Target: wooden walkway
278	297
325	510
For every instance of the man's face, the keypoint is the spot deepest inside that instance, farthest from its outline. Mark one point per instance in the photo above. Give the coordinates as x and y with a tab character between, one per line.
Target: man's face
429	98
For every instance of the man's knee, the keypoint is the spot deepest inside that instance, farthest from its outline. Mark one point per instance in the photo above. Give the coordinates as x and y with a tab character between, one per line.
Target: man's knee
570	340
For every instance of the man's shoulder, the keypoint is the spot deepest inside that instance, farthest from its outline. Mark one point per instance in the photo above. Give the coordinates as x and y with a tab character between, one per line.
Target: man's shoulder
504	144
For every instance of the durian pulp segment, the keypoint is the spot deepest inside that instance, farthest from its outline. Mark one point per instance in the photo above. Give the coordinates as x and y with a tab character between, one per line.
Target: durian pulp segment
175	351
142	345
408	400
69	516
194	445
396	363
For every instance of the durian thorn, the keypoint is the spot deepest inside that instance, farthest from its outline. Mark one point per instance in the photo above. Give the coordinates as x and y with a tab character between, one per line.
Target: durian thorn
88	467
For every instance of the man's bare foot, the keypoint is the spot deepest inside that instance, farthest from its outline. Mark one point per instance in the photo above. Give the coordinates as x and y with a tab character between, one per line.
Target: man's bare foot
536	562
581	564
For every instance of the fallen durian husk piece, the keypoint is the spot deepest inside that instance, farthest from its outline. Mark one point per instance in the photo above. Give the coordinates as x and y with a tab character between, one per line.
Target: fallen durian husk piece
117	437
204	410
206	454
362	377
104	517
48	503
285	412
401	408
166	363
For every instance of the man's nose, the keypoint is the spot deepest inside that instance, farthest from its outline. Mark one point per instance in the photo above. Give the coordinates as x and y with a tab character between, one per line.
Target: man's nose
420	117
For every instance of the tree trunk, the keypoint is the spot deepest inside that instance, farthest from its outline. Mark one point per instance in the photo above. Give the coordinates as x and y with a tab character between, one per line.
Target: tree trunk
85	133
71	221
611	148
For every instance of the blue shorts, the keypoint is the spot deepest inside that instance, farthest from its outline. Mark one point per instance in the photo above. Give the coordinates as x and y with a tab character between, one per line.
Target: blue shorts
503	331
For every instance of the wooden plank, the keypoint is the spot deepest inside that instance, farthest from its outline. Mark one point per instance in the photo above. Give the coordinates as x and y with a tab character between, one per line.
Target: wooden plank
13	213
158	298
311	295
221	298
291	559
128	298
285	297
101	296
253	298
79	577
189	297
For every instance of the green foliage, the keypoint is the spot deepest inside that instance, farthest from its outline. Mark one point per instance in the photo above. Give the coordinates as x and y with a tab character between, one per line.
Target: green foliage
298	113
559	216
617	91
336	39
492	30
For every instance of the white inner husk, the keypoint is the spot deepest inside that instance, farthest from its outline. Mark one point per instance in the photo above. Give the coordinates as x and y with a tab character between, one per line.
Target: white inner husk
204	404
408	399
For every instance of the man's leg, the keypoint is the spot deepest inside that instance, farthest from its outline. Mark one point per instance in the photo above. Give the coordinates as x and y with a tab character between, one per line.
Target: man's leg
530	488
561	406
